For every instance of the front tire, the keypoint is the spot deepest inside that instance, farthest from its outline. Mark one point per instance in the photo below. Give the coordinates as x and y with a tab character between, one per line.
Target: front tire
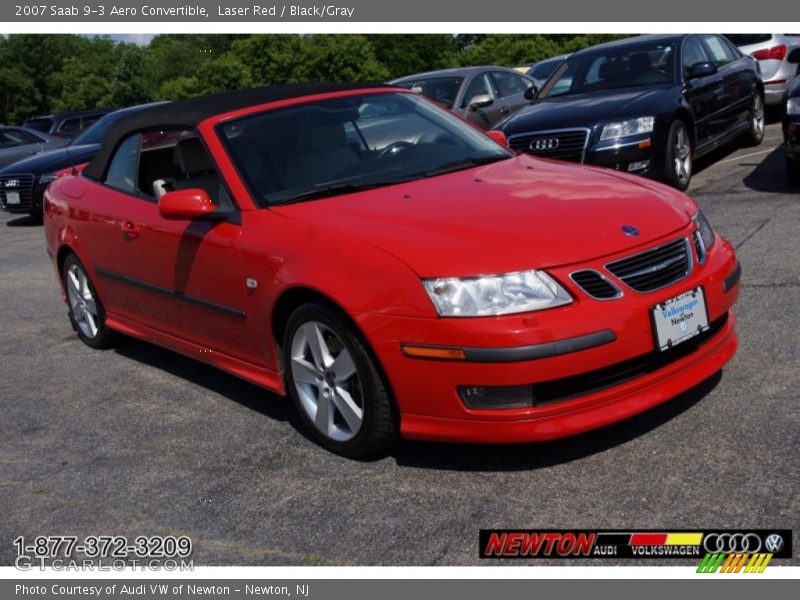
677	170
793	170
757	129
336	384
86	312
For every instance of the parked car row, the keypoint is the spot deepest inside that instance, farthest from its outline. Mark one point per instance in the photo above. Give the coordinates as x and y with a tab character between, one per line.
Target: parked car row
648	105
23	182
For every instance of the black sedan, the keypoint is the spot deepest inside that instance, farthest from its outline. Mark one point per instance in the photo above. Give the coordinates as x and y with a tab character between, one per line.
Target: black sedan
791	124
22	183
647	105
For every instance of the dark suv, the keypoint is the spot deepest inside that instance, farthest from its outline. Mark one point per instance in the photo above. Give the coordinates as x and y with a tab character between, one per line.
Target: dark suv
66	125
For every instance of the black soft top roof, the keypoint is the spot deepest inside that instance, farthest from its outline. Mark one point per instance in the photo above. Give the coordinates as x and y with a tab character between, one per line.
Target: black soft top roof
189	113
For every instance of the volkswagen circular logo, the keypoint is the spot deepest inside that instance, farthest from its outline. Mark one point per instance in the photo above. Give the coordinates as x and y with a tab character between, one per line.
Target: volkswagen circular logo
630	230
774	543
732	542
544	144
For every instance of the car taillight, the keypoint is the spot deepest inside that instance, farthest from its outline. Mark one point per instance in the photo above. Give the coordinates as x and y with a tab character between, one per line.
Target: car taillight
774	53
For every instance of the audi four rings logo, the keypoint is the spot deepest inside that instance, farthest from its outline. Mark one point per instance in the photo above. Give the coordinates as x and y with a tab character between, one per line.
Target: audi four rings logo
12	183
544	144
732	542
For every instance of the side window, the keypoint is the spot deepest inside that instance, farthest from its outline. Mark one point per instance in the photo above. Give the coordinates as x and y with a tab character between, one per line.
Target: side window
176	159
693	53
9	138
29	137
480	84
72	125
509	84
718	50
121	173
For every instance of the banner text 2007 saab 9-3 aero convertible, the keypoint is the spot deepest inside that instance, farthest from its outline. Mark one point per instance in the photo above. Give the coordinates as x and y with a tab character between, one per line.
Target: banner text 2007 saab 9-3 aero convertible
392	268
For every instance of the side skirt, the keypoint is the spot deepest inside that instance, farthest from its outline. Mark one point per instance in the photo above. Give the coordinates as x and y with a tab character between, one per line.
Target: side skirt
255	374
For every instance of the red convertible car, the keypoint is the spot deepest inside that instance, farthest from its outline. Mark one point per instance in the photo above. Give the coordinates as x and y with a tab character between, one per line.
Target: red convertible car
393	269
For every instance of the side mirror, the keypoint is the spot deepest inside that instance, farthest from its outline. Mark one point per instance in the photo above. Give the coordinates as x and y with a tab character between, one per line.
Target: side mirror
480	101
498	136
702	69
185	204
531	92
794	56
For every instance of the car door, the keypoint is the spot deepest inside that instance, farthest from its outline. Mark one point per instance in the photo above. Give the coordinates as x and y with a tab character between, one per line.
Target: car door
180	277
486	116
728	98
511	88
701	93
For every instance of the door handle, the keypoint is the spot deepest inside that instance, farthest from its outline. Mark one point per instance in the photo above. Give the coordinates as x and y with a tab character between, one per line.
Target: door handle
130	229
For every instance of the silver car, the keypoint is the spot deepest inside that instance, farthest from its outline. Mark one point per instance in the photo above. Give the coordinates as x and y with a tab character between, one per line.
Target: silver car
17	143
771	50
482	95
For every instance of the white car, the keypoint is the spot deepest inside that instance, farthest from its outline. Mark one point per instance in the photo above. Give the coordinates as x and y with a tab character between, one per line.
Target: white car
771	50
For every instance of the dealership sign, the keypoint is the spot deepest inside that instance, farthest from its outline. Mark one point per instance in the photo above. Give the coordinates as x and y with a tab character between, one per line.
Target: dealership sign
718	550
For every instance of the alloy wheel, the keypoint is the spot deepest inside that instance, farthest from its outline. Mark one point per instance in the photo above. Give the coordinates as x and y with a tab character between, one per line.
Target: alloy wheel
682	156
82	301
326	381
759	120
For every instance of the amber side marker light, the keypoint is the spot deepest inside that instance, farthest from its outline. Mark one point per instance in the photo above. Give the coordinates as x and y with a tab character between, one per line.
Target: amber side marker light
646	144
434	352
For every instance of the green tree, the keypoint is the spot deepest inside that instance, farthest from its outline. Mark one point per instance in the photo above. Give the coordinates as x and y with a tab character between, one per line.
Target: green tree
128	83
406	54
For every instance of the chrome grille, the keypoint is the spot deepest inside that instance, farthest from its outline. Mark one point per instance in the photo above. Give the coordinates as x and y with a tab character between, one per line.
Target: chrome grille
568	144
655	268
19	183
594	284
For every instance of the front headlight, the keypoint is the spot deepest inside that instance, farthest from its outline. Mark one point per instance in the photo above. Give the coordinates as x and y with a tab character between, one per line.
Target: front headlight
631	127
495	295
793	106
46	178
704	229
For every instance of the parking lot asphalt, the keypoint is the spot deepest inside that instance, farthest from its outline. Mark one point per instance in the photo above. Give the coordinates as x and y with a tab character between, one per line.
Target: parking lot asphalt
139	440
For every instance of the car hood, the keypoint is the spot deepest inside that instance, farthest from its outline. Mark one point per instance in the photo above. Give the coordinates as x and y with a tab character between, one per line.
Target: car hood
53	160
512	215
581	110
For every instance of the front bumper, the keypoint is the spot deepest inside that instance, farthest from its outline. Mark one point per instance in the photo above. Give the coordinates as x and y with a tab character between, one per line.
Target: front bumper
427	390
636	156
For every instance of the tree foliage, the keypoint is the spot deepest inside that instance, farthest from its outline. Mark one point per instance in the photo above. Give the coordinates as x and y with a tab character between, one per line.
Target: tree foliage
43	73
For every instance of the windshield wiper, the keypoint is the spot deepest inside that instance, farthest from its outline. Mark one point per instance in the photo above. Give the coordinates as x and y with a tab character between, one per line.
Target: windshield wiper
337	189
463	163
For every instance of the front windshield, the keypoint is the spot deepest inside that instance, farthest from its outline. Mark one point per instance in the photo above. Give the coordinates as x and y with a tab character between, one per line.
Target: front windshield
441	89
322	148
623	67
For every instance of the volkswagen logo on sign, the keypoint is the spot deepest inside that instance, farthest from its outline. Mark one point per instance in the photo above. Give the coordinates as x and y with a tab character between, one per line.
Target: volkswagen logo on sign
12	183
774	543
544	144
630	230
